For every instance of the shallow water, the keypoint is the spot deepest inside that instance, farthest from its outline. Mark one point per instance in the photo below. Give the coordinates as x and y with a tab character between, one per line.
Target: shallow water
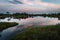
24	23
35	20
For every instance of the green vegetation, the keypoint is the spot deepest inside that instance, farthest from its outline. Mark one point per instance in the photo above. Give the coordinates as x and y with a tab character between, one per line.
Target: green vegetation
14	15
5	25
20	15
40	33
51	15
26	15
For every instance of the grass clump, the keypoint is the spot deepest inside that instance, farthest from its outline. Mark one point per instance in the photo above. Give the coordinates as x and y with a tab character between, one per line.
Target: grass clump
5	25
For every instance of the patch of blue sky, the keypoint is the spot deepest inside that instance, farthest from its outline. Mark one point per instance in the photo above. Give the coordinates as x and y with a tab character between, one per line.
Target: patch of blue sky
52	1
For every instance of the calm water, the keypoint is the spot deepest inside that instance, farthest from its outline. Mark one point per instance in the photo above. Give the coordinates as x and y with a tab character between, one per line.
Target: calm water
24	23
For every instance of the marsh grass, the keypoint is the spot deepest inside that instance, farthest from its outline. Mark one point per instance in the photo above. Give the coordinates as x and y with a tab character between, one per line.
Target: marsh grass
5	25
40	33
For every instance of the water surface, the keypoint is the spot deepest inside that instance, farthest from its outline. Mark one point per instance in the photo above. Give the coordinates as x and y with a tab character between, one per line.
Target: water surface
25	23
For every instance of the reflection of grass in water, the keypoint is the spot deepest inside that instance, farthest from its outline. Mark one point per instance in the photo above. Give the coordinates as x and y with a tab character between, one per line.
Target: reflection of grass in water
0	34
5	25
40	33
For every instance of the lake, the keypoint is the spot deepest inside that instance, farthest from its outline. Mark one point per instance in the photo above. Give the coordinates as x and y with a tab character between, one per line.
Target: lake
25	23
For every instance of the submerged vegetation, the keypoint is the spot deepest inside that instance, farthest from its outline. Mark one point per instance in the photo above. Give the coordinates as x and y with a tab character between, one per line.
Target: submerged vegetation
5	25
40	33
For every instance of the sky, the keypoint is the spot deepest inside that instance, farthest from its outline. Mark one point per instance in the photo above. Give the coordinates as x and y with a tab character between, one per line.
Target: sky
30	6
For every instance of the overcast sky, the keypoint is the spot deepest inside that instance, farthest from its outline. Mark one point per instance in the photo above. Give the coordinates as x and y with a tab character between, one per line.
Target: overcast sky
31	6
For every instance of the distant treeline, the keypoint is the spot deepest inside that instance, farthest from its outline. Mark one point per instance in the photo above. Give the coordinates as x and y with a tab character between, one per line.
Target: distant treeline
26	15
14	15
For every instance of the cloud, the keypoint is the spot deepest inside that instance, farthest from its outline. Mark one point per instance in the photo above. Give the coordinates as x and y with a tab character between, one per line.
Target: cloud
15	2
30	6
36	3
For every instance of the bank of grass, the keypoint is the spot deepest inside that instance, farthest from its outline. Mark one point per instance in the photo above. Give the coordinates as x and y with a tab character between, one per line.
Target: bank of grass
40	33
5	25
